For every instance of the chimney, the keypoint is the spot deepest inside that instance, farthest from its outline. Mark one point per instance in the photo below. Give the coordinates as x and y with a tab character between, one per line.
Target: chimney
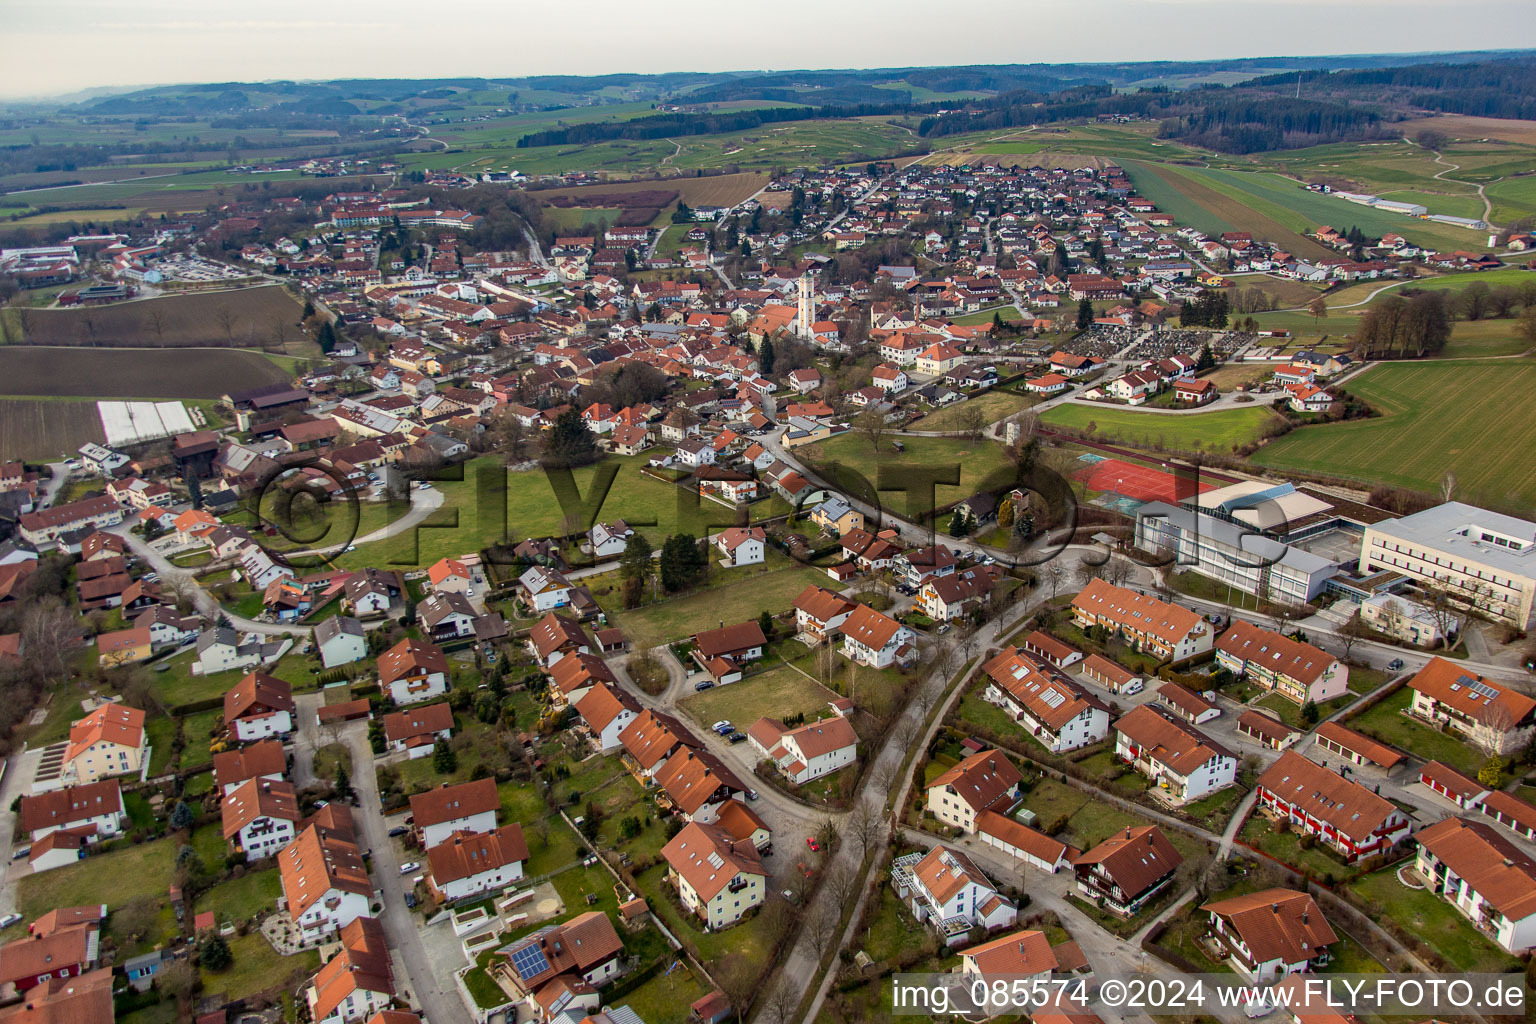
1274	907
1127	833
1304	916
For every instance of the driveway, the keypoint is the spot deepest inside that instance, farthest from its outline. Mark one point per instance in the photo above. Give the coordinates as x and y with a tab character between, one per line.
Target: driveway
19	769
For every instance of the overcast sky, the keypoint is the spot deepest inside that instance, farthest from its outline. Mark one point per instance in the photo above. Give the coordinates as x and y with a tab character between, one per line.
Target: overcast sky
52	47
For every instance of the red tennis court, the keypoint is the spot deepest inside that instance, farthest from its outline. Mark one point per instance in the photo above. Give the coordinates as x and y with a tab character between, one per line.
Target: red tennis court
1143	483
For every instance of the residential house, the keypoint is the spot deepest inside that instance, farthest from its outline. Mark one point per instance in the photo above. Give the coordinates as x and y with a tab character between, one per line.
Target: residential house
543	588
325	884
944	598
1453	698
109	741
413	671
836	516
820	614
718	877
945	888
1149	625
875	639
262	760
1297	670
808	751
1125	871
1182	762
1271	933
260	817
609	540
93	810
1017	957
1185	703
606	711
559	967
414	731
258	707
555	636
447	615
1343	814
741	545
1047	704
340	640
470	864
464	807
1489	879
358	982
985	781
451	576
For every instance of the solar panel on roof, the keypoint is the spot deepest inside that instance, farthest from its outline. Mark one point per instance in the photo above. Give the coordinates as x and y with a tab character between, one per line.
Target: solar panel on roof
529	962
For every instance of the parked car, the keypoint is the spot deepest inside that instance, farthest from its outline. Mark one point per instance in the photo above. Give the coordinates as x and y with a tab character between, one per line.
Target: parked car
751	794
704	685
411	900
813	844
724	725
24	851
788	894
943	629
398	830
1396	664
737	737
9	919
409	866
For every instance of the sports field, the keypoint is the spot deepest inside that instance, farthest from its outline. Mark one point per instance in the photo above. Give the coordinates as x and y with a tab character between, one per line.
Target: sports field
1217	431
1471	418
1137	481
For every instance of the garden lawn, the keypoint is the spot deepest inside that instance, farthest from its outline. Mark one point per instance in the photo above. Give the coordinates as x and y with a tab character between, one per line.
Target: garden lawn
1431	919
665	998
115	878
682	617
239	899
778	693
258	967
1321	863
1386	721
1217	431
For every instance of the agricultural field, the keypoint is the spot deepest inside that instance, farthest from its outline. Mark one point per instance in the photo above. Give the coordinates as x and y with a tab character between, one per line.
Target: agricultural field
1438	417
1216	431
713	190
131	373
43	429
1289	204
1214	211
247	317
1513	198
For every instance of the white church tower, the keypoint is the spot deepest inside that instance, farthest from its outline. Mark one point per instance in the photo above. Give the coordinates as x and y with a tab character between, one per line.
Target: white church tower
805	323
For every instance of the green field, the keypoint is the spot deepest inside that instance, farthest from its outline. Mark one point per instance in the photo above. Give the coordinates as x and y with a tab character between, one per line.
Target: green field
778	692
975	461
1205	431
995	404
1437	417
735	602
472	515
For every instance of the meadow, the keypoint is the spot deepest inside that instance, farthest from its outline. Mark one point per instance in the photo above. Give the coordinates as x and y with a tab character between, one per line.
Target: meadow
976	461
1470	418
1216	431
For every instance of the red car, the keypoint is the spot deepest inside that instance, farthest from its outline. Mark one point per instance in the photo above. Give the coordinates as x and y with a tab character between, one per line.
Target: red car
812	843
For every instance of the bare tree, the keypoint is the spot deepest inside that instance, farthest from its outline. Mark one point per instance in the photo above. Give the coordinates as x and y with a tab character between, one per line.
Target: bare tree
826	832
154	315
1087	571
865	827
840	885
1494	732
782	1002
872	424
739	978
1118	569
1055	574
971	419
1318	307
225	318
1350	634
279	329
25	319
822	927
1447	486
50	636
1443	610
826	661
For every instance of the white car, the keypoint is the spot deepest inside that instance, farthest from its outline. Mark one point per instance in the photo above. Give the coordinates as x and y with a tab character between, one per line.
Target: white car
409	866
9	919
723	725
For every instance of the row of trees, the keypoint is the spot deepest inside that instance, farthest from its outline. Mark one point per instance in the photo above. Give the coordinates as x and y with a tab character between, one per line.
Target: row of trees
1400	328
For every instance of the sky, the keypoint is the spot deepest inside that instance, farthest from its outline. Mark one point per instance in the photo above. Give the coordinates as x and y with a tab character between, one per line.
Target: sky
56	47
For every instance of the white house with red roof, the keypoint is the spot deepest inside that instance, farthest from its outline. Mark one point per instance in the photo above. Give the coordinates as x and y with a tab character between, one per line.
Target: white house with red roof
742	545
808	751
